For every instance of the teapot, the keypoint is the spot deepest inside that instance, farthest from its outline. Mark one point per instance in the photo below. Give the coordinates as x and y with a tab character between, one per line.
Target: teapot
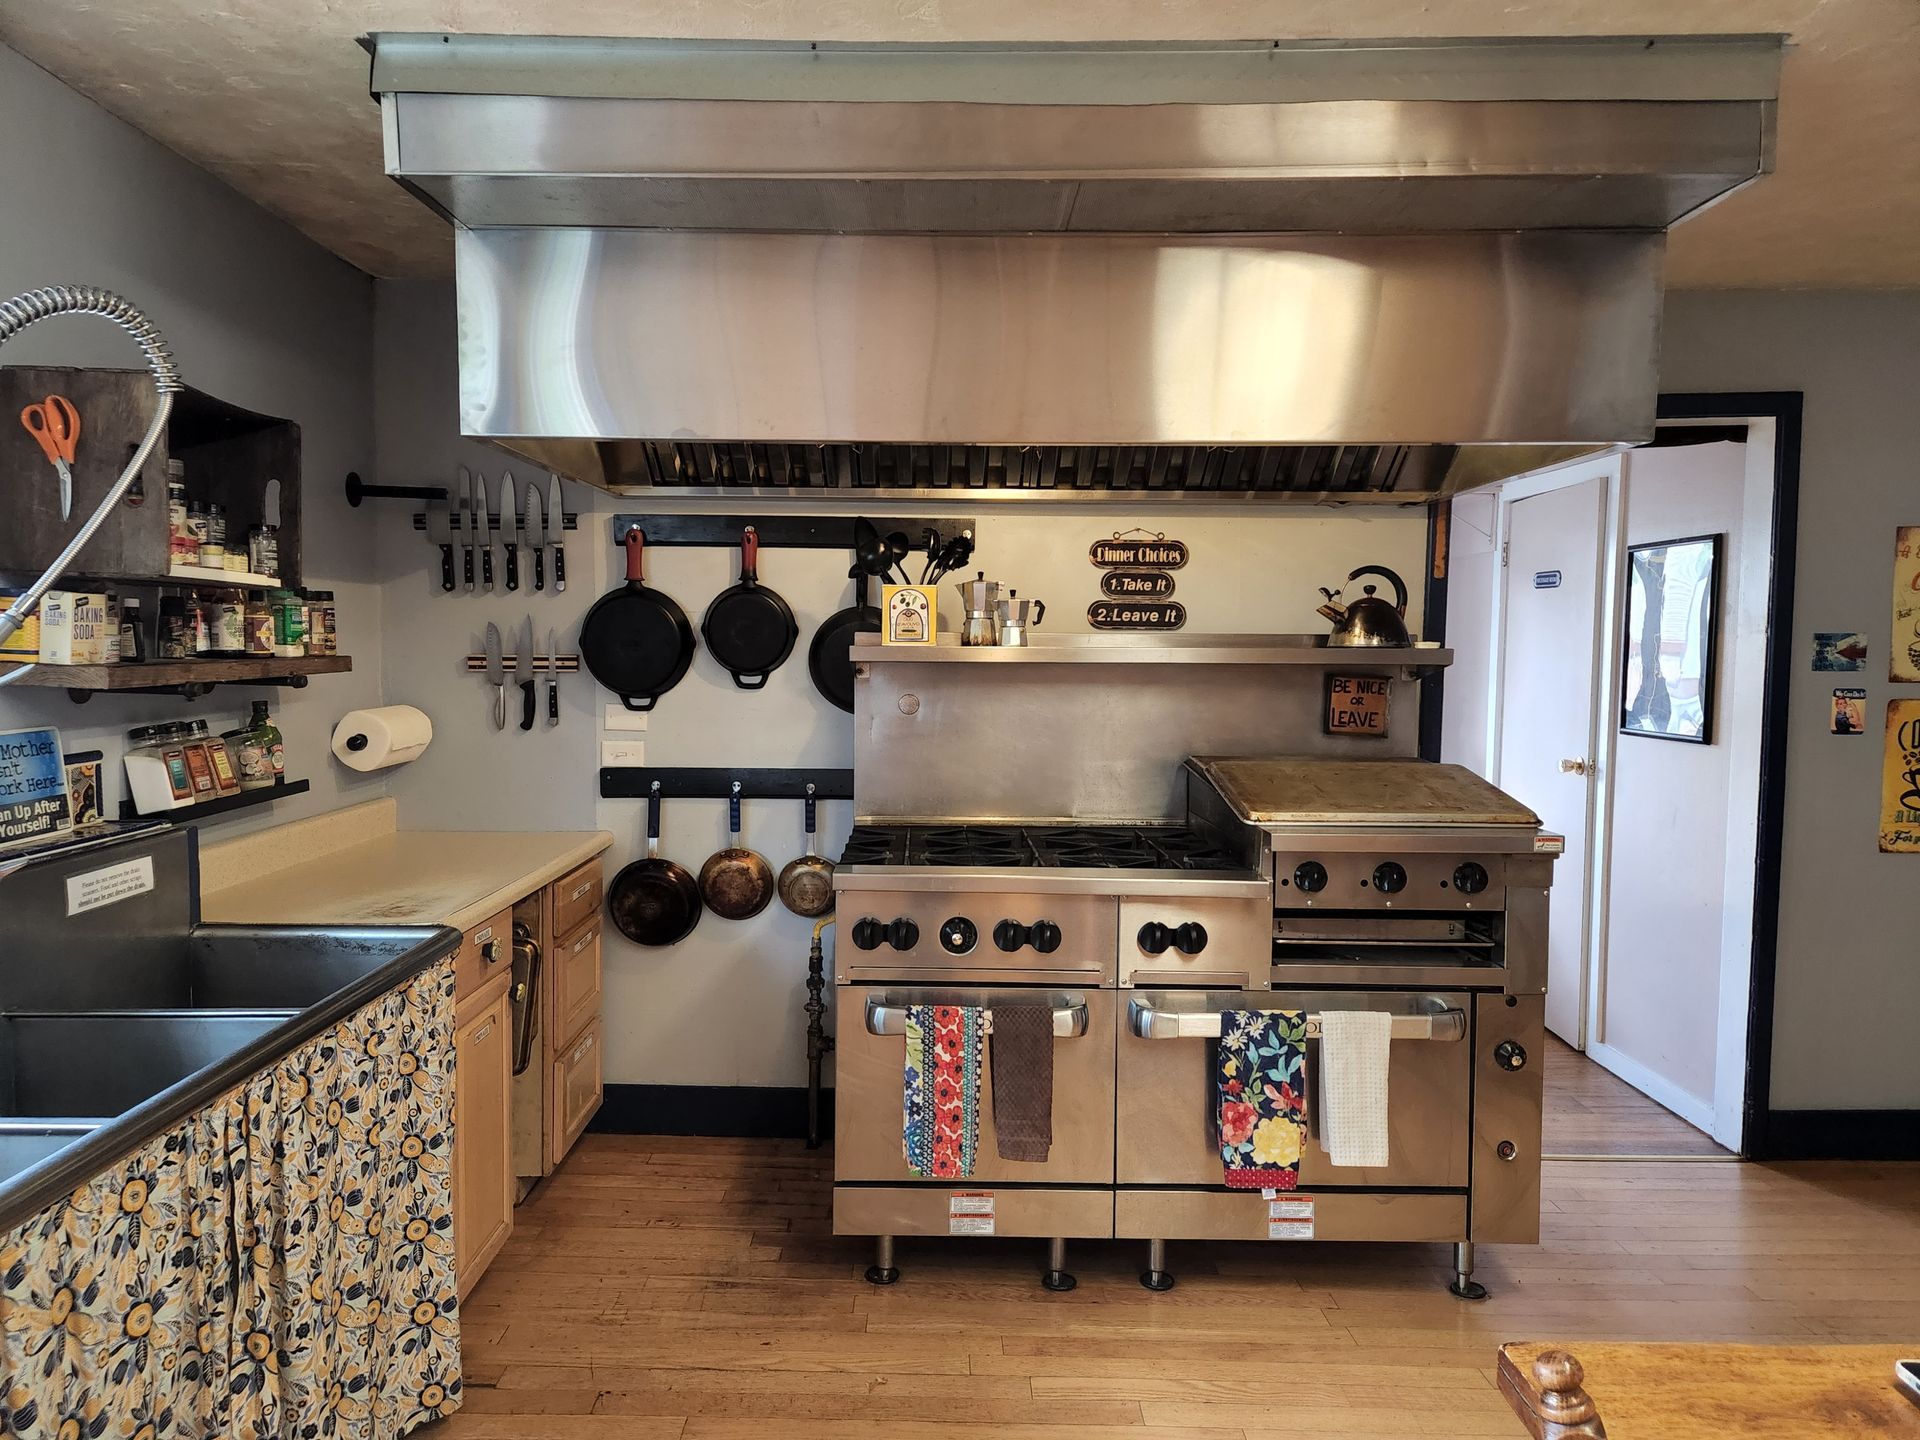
1369	621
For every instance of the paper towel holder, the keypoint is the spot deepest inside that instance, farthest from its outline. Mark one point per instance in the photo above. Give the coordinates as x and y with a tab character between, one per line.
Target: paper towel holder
381	737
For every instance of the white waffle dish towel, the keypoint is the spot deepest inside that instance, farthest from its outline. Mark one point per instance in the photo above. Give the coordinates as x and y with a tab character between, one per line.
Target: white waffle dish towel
1355	1052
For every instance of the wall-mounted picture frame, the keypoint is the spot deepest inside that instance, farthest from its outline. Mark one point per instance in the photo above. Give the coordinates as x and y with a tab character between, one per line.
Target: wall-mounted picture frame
1668	650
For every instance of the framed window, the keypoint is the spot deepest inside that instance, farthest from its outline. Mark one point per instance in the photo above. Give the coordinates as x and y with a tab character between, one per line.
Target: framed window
1673	591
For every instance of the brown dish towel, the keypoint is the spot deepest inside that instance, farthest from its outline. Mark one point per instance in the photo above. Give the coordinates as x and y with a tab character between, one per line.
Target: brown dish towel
1021	1052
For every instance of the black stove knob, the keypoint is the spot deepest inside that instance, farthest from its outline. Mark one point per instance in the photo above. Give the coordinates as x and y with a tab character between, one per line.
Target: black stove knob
1389	877
903	934
1310	876
958	935
1155	938
1044	936
868	933
1510	1055
1009	935
1470	878
1190	938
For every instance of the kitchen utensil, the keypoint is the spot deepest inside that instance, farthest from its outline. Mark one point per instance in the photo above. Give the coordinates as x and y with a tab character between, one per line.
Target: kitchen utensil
654	901
868	548
440	532
557	531
510	530
1014	617
897	547
535	528
953	555
806	882
830	657
524	995
55	424
636	641
1371	621
933	553
523	672
486	506
553	679
463	502
497	676
736	882
980	623
748	628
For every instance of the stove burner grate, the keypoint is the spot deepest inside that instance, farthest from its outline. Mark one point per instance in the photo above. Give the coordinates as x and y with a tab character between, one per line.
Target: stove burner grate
1074	847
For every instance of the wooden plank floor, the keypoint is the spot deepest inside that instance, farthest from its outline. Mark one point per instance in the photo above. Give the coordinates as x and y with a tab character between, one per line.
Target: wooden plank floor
1592	1111
689	1290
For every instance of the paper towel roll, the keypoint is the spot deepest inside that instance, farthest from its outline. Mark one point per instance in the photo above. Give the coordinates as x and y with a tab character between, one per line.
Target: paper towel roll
375	739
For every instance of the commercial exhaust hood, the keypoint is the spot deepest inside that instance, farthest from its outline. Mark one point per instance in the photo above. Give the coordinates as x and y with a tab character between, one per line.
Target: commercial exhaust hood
1387	270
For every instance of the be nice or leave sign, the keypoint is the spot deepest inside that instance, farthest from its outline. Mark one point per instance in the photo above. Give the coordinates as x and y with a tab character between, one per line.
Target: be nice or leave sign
1357	705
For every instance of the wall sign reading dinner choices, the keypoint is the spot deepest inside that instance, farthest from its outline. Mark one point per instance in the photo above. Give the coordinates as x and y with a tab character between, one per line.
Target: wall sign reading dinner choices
1135	582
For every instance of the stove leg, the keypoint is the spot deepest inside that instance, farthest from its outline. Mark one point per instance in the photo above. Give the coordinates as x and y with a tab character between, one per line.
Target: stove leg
883	1271
1057	1277
1464	1285
1155	1276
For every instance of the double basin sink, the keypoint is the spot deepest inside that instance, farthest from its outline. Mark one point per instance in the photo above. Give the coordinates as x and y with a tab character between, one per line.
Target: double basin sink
98	1053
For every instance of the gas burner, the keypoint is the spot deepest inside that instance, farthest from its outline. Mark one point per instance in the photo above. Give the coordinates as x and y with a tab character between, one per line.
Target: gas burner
1064	847
968	845
875	845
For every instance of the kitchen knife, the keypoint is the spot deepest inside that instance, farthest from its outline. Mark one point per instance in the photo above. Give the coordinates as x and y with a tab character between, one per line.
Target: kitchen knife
440	532
553	679
510	531
464	502
523	672
497	676
557	531
486	506
537	536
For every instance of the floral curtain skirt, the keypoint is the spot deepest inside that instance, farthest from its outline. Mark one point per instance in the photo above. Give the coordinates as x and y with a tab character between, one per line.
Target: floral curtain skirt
279	1264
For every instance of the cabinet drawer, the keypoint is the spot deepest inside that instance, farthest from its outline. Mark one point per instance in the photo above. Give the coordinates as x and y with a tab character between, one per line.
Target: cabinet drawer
576	982
486	951
482	1139
576	897
576	1090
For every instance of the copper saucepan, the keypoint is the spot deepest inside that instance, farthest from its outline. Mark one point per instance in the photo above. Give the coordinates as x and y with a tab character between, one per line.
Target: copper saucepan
806	882
736	882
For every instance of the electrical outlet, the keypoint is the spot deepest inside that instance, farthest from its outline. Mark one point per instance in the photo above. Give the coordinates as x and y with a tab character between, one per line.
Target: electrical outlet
621	718
623	754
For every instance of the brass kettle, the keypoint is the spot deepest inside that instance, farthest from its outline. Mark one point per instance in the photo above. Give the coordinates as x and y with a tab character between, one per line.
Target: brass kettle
1369	621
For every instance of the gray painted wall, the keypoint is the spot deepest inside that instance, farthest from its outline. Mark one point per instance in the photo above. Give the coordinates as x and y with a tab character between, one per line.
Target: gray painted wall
256	314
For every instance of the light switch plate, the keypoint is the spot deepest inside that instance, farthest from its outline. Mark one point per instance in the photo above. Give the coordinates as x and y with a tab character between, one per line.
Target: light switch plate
621	718
623	754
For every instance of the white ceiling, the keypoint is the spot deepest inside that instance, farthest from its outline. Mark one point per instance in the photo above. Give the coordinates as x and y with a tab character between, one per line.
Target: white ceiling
271	95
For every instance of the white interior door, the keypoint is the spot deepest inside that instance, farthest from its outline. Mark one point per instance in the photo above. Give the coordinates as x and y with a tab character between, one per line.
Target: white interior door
1548	663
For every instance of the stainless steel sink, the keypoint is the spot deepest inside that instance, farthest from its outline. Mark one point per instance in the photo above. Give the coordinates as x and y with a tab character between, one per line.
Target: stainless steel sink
95	1067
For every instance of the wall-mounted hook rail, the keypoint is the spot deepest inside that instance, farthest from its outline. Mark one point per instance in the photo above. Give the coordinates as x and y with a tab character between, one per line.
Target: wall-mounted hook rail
692	783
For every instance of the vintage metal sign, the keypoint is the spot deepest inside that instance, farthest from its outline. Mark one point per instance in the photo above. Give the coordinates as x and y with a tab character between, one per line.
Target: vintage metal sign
33	786
1139	550
1900	780
1136	584
1136	615
1903	655
1357	705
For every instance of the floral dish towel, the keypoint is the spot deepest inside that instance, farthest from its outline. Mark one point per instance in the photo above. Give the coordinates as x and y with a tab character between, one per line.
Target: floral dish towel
1261	1086
945	1044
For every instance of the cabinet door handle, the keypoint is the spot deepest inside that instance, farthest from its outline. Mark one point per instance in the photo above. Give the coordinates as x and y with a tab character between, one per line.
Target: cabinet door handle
483	1032
580	1050
585	940
581	890
490	952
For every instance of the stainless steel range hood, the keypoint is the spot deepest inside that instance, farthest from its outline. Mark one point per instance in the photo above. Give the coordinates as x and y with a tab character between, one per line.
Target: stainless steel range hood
793	259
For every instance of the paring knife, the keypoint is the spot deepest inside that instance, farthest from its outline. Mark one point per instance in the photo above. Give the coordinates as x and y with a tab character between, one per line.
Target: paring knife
464	502
486	505
553	679
497	676
440	532
536	536
510	531
557	531
523	672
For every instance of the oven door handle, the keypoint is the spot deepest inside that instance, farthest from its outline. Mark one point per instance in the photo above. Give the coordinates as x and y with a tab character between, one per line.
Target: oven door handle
1148	1023
1069	1021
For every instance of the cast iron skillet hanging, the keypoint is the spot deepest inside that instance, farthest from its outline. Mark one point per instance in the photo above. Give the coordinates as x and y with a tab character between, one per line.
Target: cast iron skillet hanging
830	657
636	641
748	628
654	901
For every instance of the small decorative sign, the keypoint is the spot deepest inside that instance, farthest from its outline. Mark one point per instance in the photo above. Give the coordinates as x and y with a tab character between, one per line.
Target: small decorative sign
1137	584
1839	650
908	611
1546	579
1849	713
1357	705
1139	550
1136	615
1900	780
33	786
1903	655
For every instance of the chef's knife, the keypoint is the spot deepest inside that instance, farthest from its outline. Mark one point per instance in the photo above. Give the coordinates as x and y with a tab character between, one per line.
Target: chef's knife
440	532
523	672
510	530
497	676
489	509
557	531
553	679
464	502
536	536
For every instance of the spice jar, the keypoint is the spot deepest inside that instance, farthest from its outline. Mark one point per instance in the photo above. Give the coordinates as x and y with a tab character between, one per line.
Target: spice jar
289	624
178	535
263	550
193	746
229	623
156	768
200	623
133	639
322	637
196	533
259	624
176	636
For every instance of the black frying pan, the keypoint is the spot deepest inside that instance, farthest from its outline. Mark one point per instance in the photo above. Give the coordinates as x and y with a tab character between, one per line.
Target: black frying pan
654	901
830	657
748	628
636	641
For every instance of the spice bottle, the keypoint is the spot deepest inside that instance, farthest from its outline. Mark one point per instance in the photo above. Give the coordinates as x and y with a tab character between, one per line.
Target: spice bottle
263	756
229	623
199	763
322	637
289	624
176	639
179	537
196	533
157	777
259	624
200	623
263	550
133	639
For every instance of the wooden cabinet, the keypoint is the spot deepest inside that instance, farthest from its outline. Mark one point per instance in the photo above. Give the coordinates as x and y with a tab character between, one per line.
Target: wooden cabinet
576	980
485	954
483	1185
558	1093
577	1089
576	898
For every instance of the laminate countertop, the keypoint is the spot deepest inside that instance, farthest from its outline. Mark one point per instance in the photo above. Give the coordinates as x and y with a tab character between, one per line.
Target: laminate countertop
393	877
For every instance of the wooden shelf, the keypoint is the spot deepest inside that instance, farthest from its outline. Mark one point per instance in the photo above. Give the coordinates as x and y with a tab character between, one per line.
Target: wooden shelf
172	674
207	809
201	575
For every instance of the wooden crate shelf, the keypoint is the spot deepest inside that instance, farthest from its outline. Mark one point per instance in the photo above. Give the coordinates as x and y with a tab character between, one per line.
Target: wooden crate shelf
168	675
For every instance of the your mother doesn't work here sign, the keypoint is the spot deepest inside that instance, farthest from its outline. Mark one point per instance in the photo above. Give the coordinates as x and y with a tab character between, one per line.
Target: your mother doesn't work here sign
33	786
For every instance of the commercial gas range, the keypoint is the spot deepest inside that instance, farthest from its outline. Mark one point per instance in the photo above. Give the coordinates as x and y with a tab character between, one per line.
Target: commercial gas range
1309	884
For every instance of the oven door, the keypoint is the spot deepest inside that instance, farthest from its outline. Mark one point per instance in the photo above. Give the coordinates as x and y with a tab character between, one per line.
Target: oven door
869	1076
1166	1086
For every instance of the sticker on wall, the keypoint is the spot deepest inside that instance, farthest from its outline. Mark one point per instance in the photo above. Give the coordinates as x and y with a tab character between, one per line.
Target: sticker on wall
1129	615
33	786
1900	780
1546	579
1136	584
1357	705
1138	549
1849	713
1903	656
1839	650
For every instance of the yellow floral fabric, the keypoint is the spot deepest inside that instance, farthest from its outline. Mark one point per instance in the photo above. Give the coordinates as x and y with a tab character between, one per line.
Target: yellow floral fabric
280	1264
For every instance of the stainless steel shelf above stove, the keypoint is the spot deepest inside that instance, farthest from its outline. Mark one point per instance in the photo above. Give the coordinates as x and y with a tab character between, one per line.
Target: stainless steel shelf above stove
1055	880
1138	648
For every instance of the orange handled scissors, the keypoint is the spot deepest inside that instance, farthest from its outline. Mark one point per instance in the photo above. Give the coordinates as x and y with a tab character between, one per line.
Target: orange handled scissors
56	425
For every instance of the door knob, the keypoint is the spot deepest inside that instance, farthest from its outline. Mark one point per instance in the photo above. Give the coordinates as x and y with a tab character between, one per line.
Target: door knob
1575	767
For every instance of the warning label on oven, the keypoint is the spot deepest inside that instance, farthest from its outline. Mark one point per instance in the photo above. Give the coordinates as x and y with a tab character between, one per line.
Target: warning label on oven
970	1212
1290	1218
